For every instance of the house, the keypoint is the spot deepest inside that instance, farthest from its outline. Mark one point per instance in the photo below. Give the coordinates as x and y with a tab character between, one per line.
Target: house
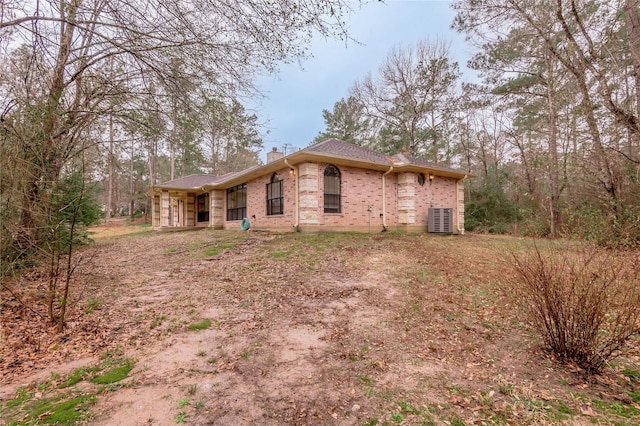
329	186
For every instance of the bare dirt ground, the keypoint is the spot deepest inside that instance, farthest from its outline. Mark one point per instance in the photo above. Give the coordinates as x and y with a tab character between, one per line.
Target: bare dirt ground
305	330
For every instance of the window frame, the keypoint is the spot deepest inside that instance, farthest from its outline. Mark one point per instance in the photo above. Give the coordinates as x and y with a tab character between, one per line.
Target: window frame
332	189
237	197
202	207
275	196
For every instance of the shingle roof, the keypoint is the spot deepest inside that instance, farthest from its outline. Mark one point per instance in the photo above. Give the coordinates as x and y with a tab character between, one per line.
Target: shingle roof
194	181
330	147
349	150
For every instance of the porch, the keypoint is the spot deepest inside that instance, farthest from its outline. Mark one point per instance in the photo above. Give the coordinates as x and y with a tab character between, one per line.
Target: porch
179	210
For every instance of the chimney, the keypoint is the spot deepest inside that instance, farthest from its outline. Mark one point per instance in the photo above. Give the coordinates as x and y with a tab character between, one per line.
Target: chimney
274	155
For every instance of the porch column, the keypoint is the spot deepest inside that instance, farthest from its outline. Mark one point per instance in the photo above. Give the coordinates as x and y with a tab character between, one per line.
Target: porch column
460	206
190	211
308	187
164	209
216	210
407	199
155	211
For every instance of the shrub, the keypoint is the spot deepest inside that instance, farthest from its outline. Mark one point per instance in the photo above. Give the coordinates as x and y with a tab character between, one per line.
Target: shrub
488	207
584	303
597	223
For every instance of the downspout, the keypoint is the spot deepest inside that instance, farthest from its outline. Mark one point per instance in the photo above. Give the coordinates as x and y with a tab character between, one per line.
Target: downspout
297	213
458	205
384	200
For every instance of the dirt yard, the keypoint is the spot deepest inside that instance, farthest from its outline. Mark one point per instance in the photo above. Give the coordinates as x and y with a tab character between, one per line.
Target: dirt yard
304	330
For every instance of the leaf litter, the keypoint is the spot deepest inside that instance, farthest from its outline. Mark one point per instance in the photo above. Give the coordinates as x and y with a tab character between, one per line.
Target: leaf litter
304	329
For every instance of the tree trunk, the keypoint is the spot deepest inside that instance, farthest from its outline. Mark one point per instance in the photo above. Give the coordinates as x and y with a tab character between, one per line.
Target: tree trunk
64	301
173	137
435	137
214	151
46	169
552	115
110	161
131	183
173	161
531	182
631	11
153	154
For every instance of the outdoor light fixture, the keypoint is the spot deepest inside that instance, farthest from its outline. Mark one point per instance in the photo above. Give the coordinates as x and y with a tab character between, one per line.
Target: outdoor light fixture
292	172
431	176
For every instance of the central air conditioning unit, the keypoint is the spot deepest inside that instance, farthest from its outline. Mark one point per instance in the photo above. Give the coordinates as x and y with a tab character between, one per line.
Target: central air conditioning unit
440	220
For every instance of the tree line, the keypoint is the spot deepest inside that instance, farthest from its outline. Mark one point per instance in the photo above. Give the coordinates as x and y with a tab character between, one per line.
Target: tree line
550	128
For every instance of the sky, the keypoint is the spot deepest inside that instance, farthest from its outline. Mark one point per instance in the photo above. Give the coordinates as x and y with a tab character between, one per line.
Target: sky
294	99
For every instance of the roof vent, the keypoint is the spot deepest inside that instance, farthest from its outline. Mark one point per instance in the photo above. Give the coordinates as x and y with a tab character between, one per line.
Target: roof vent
274	155
440	220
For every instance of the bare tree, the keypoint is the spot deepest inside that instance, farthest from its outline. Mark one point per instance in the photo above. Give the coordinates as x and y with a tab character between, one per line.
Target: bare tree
412	93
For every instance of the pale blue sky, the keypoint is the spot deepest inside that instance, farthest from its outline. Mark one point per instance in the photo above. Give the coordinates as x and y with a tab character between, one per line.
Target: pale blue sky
296	97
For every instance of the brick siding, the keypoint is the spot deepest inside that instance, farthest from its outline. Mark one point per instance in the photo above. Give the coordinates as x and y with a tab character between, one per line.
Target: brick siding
407	202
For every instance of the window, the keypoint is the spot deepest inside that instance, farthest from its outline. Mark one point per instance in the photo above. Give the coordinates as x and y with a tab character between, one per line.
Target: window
275	203
331	189
237	202
421	179
203	207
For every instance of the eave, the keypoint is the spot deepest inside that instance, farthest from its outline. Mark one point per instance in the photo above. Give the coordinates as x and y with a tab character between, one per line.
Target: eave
300	157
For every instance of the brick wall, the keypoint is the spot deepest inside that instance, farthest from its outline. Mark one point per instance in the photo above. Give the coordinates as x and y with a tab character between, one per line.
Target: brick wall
360	188
440	192
257	204
407	202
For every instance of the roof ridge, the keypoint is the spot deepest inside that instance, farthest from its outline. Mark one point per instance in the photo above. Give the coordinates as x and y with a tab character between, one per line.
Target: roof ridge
317	144
341	145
